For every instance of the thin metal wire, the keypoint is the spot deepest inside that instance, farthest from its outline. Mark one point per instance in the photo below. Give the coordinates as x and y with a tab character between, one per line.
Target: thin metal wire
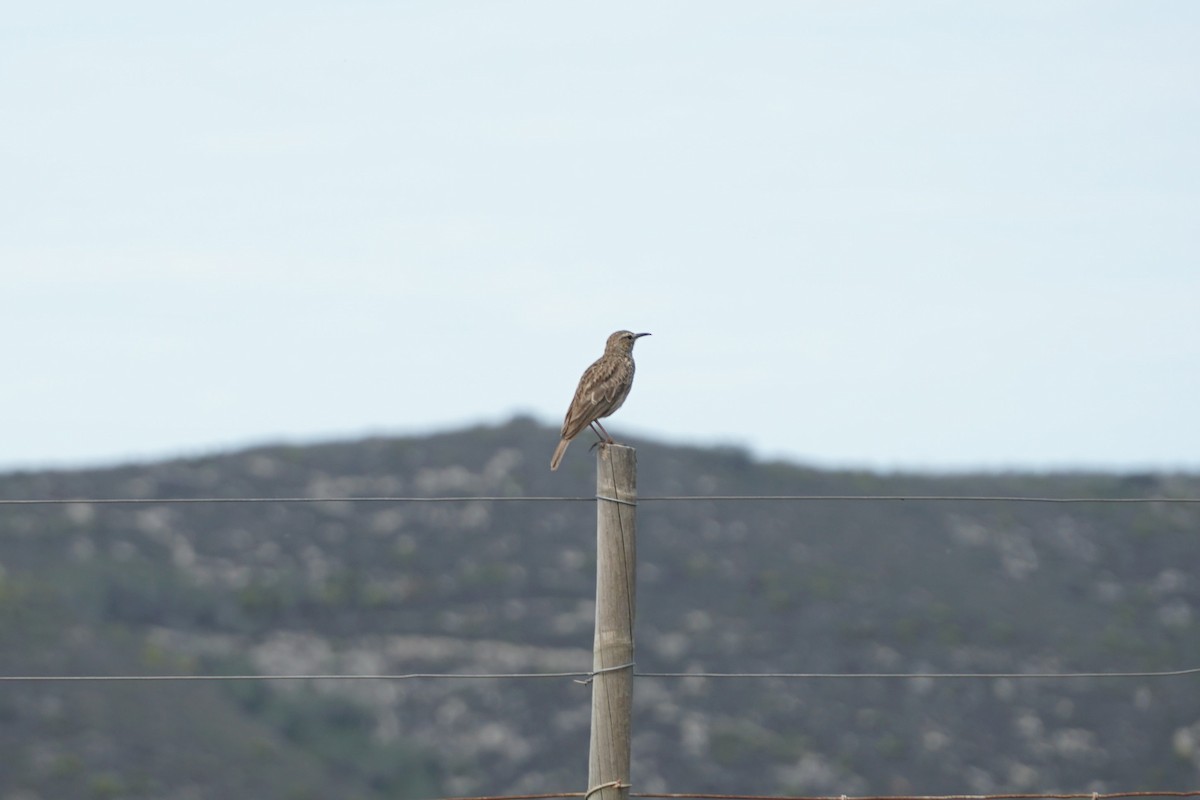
196	500
1062	796
334	677
922	498
520	796
603	786
687	796
1170	673
588	676
617	500
615	668
871	498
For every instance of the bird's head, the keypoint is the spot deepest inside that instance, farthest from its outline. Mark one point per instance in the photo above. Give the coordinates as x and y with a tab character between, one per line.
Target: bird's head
621	342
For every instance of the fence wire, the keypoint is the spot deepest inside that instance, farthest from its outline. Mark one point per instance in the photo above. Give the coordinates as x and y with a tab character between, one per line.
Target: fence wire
586	677
691	796
798	498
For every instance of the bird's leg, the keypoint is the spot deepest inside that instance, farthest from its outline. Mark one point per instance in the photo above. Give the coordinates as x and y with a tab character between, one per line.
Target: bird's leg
607	438
599	441
603	434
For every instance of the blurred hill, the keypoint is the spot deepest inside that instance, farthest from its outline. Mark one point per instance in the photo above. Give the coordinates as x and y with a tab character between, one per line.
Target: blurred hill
507	587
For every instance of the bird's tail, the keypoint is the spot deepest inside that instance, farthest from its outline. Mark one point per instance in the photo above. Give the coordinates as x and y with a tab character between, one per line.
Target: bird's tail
558	453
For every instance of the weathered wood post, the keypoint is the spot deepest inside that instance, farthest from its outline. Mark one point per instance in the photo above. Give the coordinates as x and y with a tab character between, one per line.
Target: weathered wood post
612	658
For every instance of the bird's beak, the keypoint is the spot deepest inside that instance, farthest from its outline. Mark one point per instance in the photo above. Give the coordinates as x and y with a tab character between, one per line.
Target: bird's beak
640	335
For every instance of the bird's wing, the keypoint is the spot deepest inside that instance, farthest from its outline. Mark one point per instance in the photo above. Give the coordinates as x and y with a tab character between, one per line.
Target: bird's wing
598	391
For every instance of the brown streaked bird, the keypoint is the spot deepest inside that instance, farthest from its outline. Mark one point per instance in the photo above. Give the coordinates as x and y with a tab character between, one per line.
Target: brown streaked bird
602	389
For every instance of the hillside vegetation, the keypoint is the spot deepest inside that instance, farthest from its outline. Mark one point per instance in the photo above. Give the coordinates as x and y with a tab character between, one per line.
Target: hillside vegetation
476	586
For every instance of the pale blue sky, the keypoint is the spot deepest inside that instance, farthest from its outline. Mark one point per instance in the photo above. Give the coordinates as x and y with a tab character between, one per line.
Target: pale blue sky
889	234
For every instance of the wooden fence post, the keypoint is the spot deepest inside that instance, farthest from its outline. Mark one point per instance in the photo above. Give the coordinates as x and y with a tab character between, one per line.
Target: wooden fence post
612	658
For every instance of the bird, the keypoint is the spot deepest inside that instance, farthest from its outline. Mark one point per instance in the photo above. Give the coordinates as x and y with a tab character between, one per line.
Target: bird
602	389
